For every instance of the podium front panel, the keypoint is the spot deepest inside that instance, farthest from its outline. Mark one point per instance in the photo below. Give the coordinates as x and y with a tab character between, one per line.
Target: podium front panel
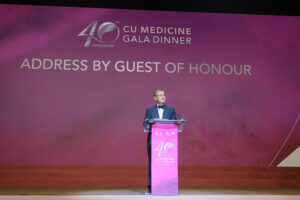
164	165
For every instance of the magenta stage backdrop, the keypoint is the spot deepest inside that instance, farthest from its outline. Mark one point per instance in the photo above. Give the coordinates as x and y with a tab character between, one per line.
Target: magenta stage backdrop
75	84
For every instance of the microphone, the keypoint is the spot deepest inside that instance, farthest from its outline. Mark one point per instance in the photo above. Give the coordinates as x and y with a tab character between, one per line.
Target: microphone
180	118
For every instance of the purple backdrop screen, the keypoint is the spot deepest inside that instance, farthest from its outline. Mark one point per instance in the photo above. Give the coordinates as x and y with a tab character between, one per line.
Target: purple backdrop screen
75	84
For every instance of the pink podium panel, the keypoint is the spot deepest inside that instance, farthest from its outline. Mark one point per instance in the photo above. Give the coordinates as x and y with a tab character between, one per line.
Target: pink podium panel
164	165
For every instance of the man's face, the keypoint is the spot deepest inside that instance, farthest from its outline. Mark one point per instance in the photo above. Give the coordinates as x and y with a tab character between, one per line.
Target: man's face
160	97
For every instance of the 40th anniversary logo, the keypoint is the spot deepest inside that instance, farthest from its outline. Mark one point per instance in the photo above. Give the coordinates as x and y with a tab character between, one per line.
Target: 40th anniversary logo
106	34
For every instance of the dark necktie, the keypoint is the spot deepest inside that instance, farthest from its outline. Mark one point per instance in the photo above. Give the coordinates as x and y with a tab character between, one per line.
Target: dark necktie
161	107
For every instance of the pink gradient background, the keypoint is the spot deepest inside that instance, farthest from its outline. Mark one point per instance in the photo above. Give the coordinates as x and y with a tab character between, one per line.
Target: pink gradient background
74	117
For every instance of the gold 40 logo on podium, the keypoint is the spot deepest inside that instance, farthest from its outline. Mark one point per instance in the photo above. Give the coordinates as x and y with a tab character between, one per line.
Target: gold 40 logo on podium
164	148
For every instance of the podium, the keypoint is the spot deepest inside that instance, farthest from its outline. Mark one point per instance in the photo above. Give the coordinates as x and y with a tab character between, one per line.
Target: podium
164	156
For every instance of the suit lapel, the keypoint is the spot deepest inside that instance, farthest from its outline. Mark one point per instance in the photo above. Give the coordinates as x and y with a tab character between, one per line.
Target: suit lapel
155	112
165	113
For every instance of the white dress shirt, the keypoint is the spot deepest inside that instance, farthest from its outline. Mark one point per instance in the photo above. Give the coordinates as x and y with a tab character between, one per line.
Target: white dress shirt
160	112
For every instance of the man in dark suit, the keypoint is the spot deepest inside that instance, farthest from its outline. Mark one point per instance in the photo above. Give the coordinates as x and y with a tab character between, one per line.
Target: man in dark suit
158	111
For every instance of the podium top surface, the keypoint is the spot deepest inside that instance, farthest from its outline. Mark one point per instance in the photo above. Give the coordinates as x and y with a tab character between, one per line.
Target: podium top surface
167	121
179	122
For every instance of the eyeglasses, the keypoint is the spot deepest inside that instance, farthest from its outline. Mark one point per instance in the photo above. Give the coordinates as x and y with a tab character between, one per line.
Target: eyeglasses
160	95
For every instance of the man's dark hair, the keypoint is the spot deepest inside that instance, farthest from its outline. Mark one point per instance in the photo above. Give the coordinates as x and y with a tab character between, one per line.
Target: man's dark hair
158	89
